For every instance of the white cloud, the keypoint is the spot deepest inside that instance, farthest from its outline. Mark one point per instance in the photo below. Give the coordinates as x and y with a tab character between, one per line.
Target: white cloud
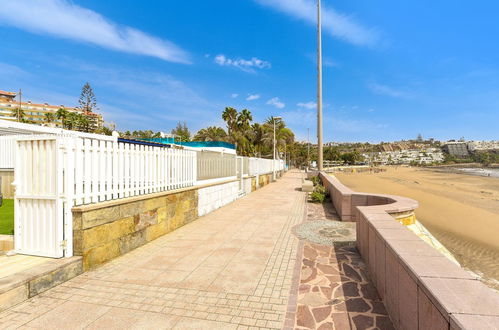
330	63
308	105
253	97
388	91
234	95
336	24
245	65
276	103
67	20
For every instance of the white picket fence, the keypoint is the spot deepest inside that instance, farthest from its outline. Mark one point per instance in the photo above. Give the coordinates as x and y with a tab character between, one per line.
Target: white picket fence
54	173
7	144
259	166
105	170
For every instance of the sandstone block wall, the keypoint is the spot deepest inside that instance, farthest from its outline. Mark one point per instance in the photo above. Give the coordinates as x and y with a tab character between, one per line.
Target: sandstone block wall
107	230
104	231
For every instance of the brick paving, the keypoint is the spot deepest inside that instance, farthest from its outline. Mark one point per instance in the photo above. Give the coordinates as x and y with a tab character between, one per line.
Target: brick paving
231	269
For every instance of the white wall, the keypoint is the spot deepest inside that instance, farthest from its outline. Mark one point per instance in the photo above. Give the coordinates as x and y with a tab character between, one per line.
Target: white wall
214	197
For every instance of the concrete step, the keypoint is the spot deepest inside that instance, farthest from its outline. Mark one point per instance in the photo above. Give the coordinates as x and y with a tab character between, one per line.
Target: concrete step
27	282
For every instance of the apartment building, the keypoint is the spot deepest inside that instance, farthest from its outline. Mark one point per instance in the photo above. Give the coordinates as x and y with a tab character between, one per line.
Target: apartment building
36	113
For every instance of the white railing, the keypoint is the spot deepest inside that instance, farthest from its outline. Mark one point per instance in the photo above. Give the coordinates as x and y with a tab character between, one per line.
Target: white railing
7	144
214	165
259	166
105	170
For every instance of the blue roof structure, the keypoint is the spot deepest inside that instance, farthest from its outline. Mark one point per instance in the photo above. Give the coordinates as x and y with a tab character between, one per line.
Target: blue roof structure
194	144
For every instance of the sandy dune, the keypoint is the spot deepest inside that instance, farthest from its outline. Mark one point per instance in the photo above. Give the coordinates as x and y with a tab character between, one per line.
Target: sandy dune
461	210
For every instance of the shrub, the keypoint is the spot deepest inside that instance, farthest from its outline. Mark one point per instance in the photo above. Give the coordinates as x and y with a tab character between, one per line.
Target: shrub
316	180
319	194
320	189
317	197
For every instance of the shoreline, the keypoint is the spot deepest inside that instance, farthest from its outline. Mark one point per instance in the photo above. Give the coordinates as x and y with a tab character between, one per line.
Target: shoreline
474	171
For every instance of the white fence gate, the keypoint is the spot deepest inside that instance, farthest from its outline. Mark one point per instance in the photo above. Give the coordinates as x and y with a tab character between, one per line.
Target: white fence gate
38	202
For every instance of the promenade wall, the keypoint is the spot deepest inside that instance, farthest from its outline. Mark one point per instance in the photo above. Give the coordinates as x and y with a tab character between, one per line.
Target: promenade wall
420	288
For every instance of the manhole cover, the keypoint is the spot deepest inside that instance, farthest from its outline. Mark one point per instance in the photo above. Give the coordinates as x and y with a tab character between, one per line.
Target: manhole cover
327	232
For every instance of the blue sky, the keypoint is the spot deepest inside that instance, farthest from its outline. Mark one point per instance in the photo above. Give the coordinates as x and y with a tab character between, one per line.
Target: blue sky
393	69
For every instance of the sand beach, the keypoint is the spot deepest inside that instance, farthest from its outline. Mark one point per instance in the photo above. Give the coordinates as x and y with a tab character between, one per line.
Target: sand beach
459	208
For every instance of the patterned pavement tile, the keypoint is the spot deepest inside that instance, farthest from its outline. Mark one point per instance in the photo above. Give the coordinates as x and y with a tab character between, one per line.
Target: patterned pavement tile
333	290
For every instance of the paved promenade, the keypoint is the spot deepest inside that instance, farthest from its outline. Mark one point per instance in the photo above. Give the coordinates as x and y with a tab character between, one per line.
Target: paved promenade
240	267
230	269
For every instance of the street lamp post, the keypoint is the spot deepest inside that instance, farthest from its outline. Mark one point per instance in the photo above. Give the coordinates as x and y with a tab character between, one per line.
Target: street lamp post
274	119
319	88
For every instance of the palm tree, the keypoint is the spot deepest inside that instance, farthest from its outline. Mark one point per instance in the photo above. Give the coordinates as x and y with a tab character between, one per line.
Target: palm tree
230	116
212	133
19	114
244	118
71	120
49	117
242	132
283	135
82	122
257	136
62	114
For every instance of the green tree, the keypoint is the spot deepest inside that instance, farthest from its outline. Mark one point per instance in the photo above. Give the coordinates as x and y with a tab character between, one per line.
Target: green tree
181	132
212	133
352	157
83	123
332	154
230	116
283	135
62	114
49	117
87	102
71	121
19	114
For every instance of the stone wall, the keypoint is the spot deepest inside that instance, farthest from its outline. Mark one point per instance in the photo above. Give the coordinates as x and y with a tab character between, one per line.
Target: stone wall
263	180
346	201
420	288
104	231
107	230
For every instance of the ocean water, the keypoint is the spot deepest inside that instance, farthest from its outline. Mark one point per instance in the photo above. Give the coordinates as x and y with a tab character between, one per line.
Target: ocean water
492	172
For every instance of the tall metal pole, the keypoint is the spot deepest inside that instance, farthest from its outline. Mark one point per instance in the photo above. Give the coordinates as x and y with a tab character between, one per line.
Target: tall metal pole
319	88
273	163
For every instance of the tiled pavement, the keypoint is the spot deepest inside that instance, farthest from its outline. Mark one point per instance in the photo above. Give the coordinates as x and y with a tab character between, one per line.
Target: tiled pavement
230	269
334	290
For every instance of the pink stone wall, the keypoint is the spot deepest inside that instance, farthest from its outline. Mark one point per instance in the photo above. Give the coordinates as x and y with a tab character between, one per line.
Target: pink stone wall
421	288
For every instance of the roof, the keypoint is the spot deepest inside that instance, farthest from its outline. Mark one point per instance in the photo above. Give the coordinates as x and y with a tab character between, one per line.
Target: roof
7	93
